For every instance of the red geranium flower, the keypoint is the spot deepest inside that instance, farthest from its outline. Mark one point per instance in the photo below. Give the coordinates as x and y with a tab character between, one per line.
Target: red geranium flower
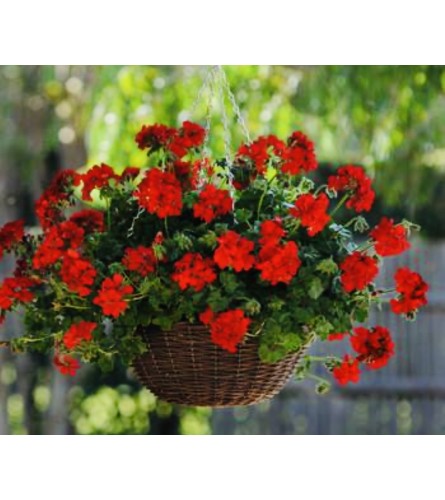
56	196
192	135
347	372
66	364
141	260
227	329
60	238
353	179
234	251
389	239
160	193
96	177
91	221
311	210
358	271
111	297
271	232
332	337
374	347
212	202
16	289
412	291
78	333
280	263
11	234
130	173
299	155
155	136
77	273
193	270
258	152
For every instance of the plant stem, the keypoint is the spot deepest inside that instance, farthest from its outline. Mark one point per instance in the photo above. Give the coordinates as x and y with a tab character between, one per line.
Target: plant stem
260	204
166	227
339	205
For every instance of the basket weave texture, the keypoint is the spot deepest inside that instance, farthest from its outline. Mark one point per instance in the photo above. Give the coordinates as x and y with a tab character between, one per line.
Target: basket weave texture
184	366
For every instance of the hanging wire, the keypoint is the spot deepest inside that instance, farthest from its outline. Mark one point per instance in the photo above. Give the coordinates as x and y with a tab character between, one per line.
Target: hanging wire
235	106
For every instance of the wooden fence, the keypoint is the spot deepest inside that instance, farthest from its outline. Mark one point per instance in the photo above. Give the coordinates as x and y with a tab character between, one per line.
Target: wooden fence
405	397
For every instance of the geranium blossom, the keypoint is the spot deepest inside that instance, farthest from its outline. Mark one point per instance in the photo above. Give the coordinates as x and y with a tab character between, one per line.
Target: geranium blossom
141	260
227	329
211	203
347	371
358	270
412	291
91	221
11	234
280	263
96	177
194	270
311	210
374	346
77	333
57	196
112	296
389	239
299	156
353	180
77	273
66	364
160	193
234	251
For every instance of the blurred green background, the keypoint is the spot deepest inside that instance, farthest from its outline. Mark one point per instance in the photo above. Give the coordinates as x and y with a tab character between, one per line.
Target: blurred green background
389	119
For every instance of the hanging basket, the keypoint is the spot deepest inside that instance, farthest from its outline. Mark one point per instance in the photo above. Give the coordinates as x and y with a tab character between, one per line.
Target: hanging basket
184	366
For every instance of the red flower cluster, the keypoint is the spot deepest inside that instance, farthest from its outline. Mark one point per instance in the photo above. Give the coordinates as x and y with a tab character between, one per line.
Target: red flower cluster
212	202
60	238
78	333
130	173
332	337
141	260
15	290
353	179
278	263
111	297
96	177
358	270
66	364
91	221
299	156
77	273
412	292
258	152
312	212
295	157
227	329
271	232
11	234
160	193
179	142
234	251
57	196
389	239
347	371
194	271
374	346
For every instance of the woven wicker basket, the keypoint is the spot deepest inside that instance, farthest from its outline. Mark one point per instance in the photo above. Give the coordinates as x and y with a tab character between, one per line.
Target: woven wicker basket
184	366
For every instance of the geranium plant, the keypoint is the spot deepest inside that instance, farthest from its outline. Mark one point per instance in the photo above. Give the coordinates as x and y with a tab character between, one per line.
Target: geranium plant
249	247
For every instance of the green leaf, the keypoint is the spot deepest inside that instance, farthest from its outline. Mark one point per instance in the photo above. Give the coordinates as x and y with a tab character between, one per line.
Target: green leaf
316	288
327	266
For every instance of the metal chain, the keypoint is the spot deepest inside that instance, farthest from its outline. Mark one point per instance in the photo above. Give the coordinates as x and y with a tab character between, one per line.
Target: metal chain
234	104
225	122
130	231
